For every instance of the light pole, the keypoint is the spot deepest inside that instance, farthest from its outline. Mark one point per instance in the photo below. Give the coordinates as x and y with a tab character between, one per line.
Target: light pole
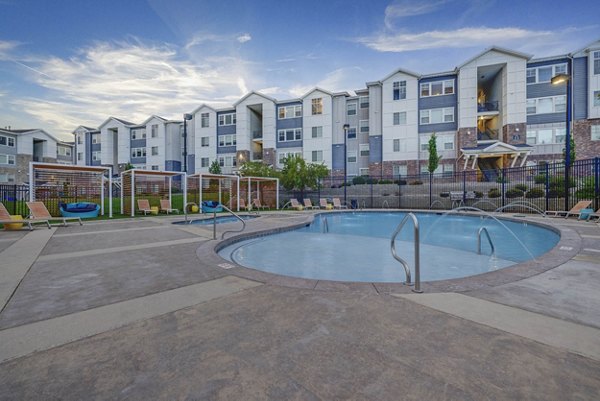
556	80
186	118
346	128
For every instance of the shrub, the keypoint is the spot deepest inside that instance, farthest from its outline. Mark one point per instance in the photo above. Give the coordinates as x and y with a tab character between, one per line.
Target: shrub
494	193
521	187
501	179
553	193
444	194
587	191
387	182
359	180
514	193
559	183
535	193
372	181
400	182
540	179
478	194
416	182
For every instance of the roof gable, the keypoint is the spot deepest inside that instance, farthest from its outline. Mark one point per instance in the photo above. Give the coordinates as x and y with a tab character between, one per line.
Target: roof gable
254	93
402	71
118	120
203	106
496	49
316	89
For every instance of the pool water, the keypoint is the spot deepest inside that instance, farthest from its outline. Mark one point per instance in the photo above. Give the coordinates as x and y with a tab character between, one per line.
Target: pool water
357	247
220	220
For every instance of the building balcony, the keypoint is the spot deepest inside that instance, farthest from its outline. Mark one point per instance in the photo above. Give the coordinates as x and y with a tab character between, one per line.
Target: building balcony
257	156
257	134
487	135
487	107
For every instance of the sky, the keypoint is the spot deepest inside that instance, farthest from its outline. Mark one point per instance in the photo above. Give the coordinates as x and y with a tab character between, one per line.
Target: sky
65	63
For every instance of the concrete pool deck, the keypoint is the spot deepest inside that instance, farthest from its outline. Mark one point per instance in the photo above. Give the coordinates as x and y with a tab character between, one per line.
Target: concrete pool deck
143	309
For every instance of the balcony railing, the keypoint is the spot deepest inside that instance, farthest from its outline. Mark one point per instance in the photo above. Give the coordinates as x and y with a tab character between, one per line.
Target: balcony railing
257	134
487	135
257	156
487	106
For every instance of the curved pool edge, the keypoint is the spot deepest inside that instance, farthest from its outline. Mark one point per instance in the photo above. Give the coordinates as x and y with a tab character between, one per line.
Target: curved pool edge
567	247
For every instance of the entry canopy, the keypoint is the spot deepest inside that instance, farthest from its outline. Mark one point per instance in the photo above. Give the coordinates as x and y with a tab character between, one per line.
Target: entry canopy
497	149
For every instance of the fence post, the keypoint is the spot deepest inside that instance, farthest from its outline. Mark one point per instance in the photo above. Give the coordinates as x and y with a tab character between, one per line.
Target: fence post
16	201
464	188
597	182
503	179
399	194
371	206
547	174
430	189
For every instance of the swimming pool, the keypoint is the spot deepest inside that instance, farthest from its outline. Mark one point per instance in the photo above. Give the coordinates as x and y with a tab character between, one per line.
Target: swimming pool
220	220
357	247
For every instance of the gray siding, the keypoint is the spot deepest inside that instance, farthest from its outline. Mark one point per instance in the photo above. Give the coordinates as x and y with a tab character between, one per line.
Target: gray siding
289	144
546	118
337	157
9	150
138	143
580	88
375	110
375	148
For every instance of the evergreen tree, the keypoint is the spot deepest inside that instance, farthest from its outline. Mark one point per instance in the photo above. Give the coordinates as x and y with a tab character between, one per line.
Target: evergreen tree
434	158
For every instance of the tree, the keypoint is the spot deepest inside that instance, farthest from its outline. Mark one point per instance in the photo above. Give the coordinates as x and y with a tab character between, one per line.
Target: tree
215	168
257	169
434	158
573	154
297	175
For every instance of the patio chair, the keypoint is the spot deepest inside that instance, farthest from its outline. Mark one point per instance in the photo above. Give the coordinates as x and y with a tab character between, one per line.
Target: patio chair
39	212
165	206
308	204
243	204
337	204
575	210
595	215
256	203
6	219
295	204
144	206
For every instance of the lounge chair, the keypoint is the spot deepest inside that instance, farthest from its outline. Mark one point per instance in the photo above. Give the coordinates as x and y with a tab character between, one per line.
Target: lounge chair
256	203
296	205
575	210
338	205
243	204
595	215
323	204
144	206
165	206
308	204
6	219
39	212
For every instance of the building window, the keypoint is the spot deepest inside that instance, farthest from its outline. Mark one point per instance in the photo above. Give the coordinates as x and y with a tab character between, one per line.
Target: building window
227	161
204	120
544	105
7	159
351	132
228	140
154	150
79	156
317	132
285	155
537	75
399	145
317	106
204	162
79	139
437	116
399	90
363	149
546	134
7	141
364	102
363	126
227	119
596	98
317	156
351	109
61	150
287	135
96	139
595	130
7	178
399	170
437	88
351	155
139	133
154	129
443	142
205	141
400	118
597	63
290	112
138	152
95	156
154	167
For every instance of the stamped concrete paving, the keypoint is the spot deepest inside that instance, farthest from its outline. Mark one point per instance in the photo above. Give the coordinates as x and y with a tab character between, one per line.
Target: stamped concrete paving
329	341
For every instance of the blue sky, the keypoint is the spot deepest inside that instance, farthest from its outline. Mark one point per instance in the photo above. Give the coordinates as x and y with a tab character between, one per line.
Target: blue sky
69	63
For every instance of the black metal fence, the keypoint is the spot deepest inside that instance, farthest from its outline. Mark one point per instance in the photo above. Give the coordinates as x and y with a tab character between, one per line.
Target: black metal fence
527	189
13	197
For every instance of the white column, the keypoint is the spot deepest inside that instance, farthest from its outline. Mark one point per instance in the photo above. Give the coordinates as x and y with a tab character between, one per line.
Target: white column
132	193
474	162
249	193
220	190
102	194
200	192
184	178
170	192
110	191
277	193
31	186
238	194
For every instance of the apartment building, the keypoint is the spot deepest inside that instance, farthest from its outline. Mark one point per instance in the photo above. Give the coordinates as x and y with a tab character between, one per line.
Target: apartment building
155	144
497	109
18	147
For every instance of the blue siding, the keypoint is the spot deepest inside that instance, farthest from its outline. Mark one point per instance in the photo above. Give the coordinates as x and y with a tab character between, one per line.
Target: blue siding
191	164
580	88
138	143
138	160
289	144
439	127
438	78
87	155
375	149
437	102
225	129
225	149
337	157
289	123
547	62
96	147
544	90
546	118
95	162
173	165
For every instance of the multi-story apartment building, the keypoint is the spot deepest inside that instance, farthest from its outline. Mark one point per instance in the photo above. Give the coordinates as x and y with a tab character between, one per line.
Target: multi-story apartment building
18	147
155	144
497	109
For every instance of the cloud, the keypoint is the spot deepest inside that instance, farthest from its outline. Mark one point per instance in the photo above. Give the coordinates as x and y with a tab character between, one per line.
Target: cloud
6	48
244	38
341	79
128	80
408	8
458	38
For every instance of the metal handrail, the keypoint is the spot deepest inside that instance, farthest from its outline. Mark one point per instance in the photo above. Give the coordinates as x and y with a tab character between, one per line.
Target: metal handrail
325	225
417	252
236	216
385	202
185	211
487	234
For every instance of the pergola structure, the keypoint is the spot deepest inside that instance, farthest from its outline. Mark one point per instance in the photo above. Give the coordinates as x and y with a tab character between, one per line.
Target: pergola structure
53	183
152	185
197	185
258	180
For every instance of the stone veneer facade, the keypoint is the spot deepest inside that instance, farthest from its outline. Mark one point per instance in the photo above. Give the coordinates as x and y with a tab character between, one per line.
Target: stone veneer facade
514	134
269	156
242	155
585	148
